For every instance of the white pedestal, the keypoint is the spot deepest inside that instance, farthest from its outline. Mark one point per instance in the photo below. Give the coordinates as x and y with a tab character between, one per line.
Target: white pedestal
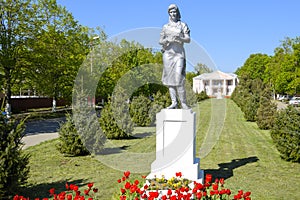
175	145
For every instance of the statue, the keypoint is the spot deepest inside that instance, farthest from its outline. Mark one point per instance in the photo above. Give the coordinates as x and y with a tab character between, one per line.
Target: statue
172	37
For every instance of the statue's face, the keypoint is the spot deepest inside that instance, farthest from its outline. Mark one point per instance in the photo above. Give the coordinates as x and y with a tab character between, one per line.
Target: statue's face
173	14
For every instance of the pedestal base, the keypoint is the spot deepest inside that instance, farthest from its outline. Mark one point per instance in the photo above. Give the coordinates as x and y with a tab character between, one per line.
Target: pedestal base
175	145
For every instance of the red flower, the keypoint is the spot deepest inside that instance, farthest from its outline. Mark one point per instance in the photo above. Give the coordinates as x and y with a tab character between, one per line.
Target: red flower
123	191
222	181
228	192
119	181
90	185
122	197
169	192
86	192
199	195
247	194
52	191
146	187
144	177
69	197
127	185
67	186
153	194
178	174
208	178
126	174
133	188
75	188
95	190
164	197
136	182
215	186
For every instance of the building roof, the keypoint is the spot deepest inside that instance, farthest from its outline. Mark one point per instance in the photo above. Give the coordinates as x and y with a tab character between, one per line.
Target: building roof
216	75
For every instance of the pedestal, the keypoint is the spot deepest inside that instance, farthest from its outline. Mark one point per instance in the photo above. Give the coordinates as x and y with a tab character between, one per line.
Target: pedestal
175	145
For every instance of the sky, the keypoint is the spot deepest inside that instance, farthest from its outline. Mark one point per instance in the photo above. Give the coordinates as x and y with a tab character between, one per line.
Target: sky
227	31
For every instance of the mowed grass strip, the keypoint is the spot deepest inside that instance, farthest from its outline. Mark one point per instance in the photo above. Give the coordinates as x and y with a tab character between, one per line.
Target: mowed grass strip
248	159
244	155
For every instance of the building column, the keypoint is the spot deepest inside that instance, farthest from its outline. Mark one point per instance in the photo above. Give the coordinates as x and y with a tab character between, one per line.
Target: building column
210	88
224	88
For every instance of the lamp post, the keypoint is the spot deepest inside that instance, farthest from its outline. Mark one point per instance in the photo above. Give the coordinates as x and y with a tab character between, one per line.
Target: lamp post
92	45
92	100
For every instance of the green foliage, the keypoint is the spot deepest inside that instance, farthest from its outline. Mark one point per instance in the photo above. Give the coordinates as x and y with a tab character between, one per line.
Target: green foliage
13	162
247	96
87	123
202	96
139	111
266	110
115	119
69	140
283	71
254	67
161	100
42	47
286	134
123	58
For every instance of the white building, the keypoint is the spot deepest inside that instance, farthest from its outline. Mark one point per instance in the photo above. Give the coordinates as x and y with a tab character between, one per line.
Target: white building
215	83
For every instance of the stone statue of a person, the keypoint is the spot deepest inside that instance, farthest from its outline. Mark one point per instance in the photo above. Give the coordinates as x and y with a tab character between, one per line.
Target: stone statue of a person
172	37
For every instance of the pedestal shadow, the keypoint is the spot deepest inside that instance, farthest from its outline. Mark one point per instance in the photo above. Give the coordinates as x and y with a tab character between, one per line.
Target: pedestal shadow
226	169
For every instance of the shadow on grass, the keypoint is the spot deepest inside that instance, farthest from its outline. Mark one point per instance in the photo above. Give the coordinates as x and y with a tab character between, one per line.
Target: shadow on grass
226	169
42	190
114	150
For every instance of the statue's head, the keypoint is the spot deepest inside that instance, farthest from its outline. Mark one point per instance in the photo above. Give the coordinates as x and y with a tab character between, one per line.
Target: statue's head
174	8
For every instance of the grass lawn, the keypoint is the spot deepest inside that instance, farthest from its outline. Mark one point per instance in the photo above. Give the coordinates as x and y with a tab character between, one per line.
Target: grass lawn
228	146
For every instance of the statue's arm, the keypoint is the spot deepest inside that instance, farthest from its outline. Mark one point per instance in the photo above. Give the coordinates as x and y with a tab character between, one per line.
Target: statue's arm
185	37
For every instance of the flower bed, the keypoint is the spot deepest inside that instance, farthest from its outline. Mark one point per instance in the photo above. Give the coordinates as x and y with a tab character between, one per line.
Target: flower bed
176	188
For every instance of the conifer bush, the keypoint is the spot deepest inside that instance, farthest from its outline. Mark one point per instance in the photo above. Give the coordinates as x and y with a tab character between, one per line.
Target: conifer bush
115	119
286	133
14	162
69	140
139	111
87	123
266	111
201	96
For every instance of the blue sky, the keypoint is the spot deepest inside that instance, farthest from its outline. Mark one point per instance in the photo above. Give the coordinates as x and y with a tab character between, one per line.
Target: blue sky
228	30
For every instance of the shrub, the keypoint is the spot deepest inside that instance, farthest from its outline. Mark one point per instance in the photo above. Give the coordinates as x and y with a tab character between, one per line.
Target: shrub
87	124
286	134
201	96
139	110
14	167
70	142
250	108
266	111
115	119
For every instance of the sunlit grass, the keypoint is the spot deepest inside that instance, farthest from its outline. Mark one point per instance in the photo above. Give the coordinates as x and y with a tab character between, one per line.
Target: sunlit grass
244	155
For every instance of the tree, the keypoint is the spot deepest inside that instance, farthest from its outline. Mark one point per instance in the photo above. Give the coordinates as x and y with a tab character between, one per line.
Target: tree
286	135
14	162
69	140
139	110
266	111
42	47
17	25
57	52
201	69
254	67
283	70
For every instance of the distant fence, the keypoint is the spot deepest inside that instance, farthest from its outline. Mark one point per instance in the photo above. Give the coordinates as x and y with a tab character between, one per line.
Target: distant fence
21	104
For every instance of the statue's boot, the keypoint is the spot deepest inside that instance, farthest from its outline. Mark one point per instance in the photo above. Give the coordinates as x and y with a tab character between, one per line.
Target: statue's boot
172	91
182	97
